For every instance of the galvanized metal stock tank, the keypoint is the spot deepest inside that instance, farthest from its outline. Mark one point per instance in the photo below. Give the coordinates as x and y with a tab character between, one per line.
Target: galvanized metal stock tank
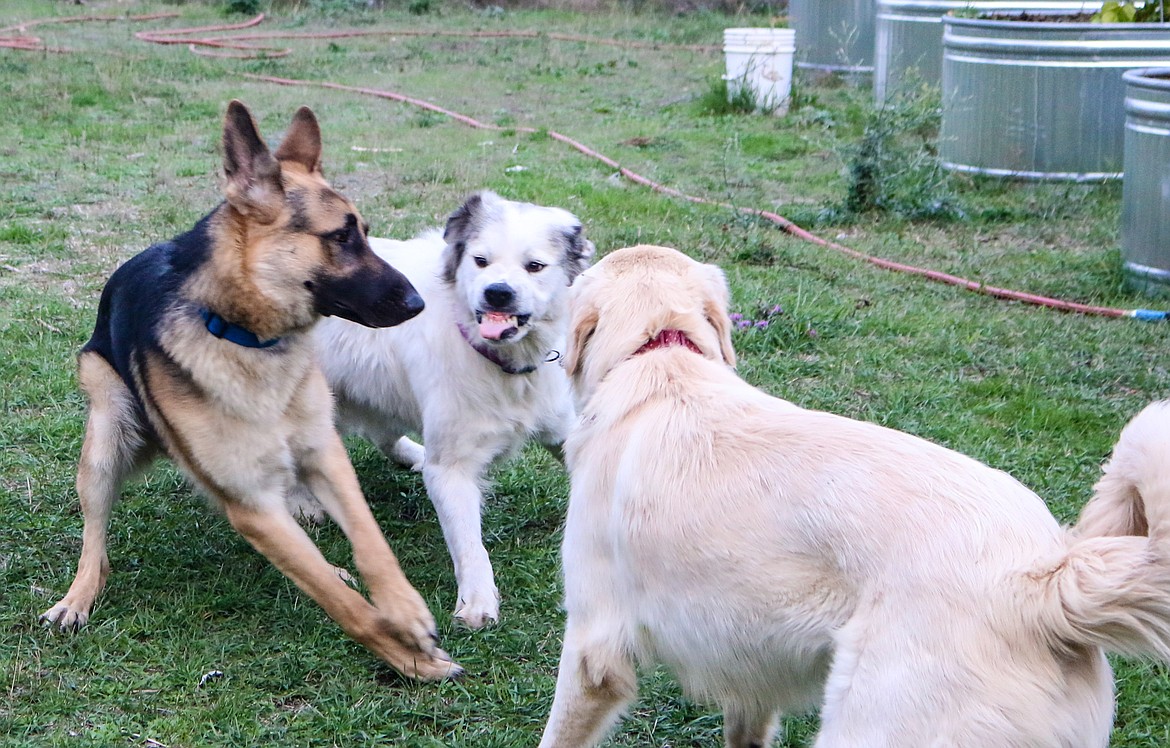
1145	201
833	36
908	47
1040	99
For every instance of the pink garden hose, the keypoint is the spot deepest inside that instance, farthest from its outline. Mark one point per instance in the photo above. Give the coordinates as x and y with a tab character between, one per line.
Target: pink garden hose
252	46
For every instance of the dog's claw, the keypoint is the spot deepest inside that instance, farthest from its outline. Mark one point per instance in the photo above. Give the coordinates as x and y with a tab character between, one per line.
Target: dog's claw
477	609
434	665
476	619
66	619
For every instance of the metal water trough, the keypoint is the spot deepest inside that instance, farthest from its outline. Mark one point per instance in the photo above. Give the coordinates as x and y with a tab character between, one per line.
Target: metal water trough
1145	200
833	36
908	36
1040	99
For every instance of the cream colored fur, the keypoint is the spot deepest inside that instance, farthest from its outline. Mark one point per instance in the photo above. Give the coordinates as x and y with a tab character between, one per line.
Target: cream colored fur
779	559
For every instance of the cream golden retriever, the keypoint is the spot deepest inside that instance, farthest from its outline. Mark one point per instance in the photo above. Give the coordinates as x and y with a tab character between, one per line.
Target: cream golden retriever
779	559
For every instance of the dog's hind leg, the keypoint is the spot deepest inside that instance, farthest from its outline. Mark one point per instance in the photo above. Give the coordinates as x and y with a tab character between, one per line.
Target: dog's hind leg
596	680
748	727
380	428
113	449
406	452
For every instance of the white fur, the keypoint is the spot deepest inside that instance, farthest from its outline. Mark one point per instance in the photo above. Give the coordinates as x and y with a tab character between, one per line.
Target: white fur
779	559
423	377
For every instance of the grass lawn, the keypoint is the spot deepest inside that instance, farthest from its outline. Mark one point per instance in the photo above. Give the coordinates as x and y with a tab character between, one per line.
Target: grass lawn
197	641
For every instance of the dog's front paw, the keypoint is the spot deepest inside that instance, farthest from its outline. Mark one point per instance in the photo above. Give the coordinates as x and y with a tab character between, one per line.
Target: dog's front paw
65	616
412	646
479	608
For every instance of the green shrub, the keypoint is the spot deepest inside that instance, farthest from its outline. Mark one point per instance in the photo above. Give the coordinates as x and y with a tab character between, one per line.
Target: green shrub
1126	11
893	168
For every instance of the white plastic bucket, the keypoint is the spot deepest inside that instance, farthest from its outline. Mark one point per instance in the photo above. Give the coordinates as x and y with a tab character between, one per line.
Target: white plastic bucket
761	60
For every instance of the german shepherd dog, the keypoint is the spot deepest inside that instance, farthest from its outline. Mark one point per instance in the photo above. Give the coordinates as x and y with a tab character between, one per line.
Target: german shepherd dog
202	351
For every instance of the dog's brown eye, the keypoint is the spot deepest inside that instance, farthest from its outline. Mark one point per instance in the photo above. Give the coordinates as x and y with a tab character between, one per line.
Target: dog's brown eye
535	267
480	262
341	236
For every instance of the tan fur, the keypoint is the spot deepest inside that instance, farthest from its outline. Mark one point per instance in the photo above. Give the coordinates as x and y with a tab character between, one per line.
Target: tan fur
247	427
779	559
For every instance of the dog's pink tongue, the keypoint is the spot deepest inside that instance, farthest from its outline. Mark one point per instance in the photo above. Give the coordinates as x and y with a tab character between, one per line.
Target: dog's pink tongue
495	324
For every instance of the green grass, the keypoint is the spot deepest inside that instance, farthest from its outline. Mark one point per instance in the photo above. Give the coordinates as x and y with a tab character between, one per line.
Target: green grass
111	148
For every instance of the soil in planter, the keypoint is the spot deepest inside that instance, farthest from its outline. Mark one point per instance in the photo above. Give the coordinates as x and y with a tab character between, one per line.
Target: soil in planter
1038	17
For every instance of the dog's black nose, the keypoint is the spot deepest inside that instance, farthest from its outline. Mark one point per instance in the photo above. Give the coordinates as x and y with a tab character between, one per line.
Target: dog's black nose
499	295
413	303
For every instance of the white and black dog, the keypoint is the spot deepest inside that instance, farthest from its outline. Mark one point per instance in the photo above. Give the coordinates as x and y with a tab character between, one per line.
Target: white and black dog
475	373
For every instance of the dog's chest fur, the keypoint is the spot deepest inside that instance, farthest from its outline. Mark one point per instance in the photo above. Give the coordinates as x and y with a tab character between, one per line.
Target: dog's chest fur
254	385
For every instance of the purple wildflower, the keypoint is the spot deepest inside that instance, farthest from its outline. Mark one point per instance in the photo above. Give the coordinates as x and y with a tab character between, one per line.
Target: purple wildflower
743	323
775	310
736	316
762	323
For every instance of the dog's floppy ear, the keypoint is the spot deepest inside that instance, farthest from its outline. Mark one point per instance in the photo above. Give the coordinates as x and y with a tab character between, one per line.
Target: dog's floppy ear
579	253
460	222
460	225
715	299
583	318
302	143
253	187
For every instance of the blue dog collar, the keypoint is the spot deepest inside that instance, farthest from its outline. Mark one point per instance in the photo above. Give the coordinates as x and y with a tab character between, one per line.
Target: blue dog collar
221	328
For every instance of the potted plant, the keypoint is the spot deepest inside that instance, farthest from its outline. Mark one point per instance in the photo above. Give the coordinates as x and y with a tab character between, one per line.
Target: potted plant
1040	95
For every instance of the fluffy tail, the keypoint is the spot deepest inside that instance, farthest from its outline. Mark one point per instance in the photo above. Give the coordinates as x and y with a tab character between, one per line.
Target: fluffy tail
1114	585
1133	495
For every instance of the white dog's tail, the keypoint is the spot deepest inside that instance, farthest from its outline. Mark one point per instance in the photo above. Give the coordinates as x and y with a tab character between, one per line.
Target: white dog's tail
1113	587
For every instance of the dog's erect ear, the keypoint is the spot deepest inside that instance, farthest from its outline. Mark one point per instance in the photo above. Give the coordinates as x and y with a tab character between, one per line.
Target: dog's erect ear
253	186
579	254
583	318
302	143
715	299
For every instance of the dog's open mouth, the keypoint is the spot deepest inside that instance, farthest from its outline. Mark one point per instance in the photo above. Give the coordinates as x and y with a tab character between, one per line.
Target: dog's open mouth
499	325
